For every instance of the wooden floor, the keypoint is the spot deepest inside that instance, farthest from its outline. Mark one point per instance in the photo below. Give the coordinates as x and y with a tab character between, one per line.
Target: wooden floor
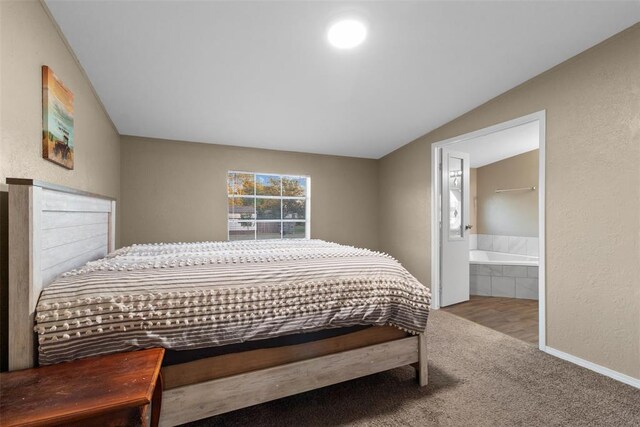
515	317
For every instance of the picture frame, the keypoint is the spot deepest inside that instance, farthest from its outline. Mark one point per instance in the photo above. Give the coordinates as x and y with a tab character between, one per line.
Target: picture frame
57	120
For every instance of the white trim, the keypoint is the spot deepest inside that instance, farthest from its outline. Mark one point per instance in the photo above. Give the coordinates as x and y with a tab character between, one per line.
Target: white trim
542	230
307	214
250	196
435	225
288	175
539	116
633	382
267	220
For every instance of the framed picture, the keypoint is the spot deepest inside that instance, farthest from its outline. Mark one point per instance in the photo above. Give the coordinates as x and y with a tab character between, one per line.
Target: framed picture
57	120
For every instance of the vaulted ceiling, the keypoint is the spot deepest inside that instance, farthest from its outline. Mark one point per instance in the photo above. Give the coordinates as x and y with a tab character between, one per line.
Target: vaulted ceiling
261	74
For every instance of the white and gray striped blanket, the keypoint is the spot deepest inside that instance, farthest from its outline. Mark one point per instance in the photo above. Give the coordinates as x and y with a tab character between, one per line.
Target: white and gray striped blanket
192	295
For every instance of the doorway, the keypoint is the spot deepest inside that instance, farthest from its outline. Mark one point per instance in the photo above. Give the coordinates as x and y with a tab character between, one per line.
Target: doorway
471	247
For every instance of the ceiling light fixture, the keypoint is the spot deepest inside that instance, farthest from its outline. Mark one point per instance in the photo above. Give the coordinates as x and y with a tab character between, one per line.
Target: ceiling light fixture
347	34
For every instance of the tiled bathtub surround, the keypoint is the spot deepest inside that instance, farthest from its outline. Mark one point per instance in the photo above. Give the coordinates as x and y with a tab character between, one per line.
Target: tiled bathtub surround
473	241
513	281
507	244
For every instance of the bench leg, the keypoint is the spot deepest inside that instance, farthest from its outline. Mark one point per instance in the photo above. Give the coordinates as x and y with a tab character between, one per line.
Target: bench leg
156	402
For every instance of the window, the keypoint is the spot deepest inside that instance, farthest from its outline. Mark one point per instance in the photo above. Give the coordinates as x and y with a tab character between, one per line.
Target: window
268	206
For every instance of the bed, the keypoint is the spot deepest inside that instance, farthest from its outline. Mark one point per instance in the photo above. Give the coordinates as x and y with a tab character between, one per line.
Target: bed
243	322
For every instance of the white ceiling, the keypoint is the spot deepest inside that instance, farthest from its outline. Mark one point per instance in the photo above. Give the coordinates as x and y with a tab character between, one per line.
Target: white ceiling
261	74
500	145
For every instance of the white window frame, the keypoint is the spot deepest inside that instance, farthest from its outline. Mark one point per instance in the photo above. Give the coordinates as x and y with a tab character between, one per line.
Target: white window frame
306	198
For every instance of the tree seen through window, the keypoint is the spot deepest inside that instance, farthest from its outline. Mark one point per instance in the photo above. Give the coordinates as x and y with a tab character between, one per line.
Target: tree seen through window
267	206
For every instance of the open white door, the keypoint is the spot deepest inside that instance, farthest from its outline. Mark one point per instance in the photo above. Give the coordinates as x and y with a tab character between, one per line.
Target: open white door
454	229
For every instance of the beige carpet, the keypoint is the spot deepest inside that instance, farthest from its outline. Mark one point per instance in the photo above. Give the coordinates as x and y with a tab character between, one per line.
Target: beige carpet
478	377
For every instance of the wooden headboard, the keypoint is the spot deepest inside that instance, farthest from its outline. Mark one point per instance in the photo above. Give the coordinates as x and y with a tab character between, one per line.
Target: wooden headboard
52	229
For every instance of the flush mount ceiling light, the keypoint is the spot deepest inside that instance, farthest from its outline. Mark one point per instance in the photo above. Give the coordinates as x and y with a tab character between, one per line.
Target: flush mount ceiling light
347	34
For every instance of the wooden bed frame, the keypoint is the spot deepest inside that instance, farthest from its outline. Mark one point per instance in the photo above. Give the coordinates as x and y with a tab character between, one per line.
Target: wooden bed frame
53	229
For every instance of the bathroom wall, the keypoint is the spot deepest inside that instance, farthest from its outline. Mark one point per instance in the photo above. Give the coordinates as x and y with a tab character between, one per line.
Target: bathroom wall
473	200
517	245
513	213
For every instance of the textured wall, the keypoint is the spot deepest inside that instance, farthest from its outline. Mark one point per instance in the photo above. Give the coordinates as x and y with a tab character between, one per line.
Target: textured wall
592	103
513	213
28	40
176	191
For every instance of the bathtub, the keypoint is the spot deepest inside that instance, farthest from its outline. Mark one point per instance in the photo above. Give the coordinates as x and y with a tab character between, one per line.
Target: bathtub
500	274
500	258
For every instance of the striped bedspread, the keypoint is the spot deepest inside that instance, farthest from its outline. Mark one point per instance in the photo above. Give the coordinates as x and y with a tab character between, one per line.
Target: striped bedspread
192	295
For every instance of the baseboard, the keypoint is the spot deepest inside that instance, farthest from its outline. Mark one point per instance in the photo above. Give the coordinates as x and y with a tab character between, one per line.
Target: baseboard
633	382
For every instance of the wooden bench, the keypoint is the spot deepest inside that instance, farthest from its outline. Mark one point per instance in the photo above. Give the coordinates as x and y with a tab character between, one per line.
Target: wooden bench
113	390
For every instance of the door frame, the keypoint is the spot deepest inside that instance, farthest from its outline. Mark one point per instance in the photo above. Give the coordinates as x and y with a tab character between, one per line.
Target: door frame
540	117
